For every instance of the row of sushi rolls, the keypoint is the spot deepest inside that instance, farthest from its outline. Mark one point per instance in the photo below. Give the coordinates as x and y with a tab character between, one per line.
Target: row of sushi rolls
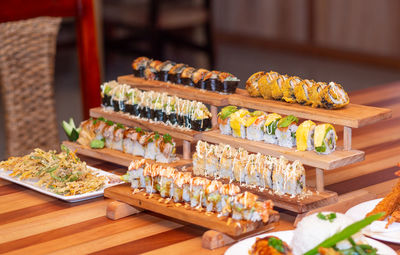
134	141
155	106
292	89
275	129
200	78
199	193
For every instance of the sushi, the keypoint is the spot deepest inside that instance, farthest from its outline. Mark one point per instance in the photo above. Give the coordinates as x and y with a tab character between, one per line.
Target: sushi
200	117
270	126
277	87
199	158
139	65
181	187
166	182
252	84
334	96
164	68
305	136
211	80
197	192
119	96
286	131
227	83
198	78
226	162
186	76
213	196
151	70
265	84
224	119
174	74
325	139
238	121
106	93
254	125
246	207
135	174
228	192
288	89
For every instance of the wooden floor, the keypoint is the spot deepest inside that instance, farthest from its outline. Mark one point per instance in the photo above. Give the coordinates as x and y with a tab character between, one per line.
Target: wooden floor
32	223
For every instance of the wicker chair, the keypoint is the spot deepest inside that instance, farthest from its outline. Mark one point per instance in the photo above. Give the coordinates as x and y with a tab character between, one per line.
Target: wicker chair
27	55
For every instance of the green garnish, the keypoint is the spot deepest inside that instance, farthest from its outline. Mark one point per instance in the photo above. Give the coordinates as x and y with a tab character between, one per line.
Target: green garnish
276	243
119	126
52	169
227	111
329	217
321	148
109	122
70	130
97	144
285	122
65	148
167	138
271	128
345	233
157	136
125	177
107	90
138	129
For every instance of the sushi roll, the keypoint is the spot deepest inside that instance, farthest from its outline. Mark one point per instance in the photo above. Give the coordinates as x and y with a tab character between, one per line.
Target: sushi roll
106	93
200	117
277	87
98	128
252	85
197	193
174	74
270	125
238	122
226	162
265	84
164	68
138	148
243	206
286	131
199	158
227	83
325	139
151	70
170	111
305	136
150	173
166	182
212	160
213	197
119	97
295	179
108	134
117	142
165	149
128	143
228	192
139	65
253	170
130	93
288	89
150	145
210	80
197	78
238	165
157	107
135	174
136	103
282	166
181	187
316	94
186	76
268	171
334	96
224	119
302	92
254	125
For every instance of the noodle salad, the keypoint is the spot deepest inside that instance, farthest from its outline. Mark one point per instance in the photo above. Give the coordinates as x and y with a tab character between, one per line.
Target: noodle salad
63	173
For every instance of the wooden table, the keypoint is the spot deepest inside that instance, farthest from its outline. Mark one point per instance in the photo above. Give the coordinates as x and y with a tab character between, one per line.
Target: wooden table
32	223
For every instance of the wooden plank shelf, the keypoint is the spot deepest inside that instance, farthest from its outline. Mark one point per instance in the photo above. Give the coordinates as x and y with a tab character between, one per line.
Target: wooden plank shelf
331	161
118	157
353	115
208	97
123	193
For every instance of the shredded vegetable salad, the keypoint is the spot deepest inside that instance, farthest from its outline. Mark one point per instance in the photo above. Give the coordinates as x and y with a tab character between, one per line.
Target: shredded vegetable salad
63	173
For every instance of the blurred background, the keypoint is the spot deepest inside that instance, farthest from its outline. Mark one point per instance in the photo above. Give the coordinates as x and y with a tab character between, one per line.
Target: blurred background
353	42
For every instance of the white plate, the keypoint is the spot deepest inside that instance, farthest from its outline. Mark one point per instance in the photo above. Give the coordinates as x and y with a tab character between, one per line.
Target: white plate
76	198
359	211
244	246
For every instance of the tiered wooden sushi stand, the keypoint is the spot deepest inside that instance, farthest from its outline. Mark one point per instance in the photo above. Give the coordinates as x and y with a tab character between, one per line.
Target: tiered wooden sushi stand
352	116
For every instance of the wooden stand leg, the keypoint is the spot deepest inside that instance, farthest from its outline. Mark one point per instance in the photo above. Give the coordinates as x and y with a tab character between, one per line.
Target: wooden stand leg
319	177
347	138
213	239
117	210
186	150
214	113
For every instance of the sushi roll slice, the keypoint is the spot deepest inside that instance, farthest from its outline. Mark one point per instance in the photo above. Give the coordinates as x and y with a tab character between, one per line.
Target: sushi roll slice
98	128
186	76
139	65
151	70
325	139
253	170
305	136
150	173
238	165
174	74
228	192
165	149
210	80
226	162
87	133
130	93
270	125
170	111
167	181
135	174
302	92
316	94
286	131
197	78
282	166
138	148
243	206
181	187
150	145
224	119
199	158
268	171
334	96
213	197
252	85
117	142
295	179
277	87
119	97
288	89
157	107
212	160
137	102
265	84
197	193
108	134
227	83
164	68
128	143
106	93
254	126
200	117
238	122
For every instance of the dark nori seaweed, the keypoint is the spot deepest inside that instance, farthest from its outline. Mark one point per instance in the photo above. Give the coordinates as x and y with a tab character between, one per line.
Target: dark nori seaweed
136	110
180	120
128	108
173	118
187	82
228	87
115	105
159	115
106	100
186	121
211	84
151	114
139	72
200	84
201	125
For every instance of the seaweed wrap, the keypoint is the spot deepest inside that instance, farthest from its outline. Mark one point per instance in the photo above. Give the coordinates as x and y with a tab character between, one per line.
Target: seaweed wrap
305	136
286	131
325	139
265	84
197	78
224	119
170	113
288	89
151	70
106	93
174	74
186	76
211	80
200	117
316	94
252	86
227	83
119	97
157	107
139	65
162	74
270	125
334	96
238	122
302	92
254	126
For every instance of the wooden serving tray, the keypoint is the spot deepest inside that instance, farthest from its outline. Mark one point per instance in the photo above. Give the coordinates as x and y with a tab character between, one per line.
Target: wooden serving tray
205	96
118	157
353	115
142	200
331	161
